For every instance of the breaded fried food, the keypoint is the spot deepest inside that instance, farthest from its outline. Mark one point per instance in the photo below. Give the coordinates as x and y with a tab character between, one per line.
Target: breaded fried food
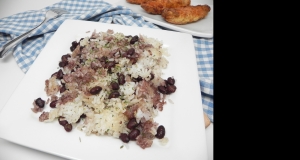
157	6
184	15
137	1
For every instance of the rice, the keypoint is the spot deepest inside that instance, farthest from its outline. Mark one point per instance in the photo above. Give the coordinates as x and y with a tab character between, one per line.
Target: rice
96	63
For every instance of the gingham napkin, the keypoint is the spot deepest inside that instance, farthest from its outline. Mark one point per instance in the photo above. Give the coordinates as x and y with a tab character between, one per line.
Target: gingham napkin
103	12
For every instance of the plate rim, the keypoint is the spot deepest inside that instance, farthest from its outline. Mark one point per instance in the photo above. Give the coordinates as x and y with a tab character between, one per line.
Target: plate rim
174	27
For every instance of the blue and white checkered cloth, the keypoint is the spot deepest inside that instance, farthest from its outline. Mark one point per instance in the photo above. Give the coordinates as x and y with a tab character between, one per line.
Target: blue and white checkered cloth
99	11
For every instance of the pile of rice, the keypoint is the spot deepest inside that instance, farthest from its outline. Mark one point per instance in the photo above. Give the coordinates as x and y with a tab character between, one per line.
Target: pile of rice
104	116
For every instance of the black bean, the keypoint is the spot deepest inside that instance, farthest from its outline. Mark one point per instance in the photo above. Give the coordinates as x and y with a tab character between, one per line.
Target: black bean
124	137
62	89
65	57
171	89
72	48
114	85
83	116
103	59
62	122
171	81
121	79
39	102
162	89
63	63
152	76
134	39
132	123
109	71
160	133
133	60
53	104
95	90
133	134
59	74
166	82
81	61
130	52
139	78
78	120
110	64
74	44
68	127
114	94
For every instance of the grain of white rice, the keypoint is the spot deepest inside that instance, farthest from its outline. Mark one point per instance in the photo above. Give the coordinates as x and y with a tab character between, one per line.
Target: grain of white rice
163	141
170	100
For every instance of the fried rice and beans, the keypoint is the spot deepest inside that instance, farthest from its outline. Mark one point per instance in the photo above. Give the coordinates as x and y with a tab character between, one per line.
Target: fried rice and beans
110	84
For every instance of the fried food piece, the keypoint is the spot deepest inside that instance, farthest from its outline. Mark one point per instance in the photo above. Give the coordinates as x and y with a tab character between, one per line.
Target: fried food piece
184	15
154	7
137	1
157	6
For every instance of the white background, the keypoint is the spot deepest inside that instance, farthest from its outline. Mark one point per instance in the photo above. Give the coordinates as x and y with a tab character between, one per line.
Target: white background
11	75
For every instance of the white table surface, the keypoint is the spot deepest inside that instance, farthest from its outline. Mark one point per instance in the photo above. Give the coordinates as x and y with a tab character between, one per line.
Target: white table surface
11	75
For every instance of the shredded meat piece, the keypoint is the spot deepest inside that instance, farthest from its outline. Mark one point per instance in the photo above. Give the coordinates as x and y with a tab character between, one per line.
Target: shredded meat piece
84	51
44	116
67	96
51	86
94	34
79	78
53	98
148	135
96	64
72	86
110	31
129	113
149	91
148	125
128	78
160	105
72	62
76	51
109	38
144	46
156	99
83	75
143	142
36	108
146	89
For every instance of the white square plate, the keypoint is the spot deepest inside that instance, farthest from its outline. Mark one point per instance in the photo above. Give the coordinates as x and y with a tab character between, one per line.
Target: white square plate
201	28
183	119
